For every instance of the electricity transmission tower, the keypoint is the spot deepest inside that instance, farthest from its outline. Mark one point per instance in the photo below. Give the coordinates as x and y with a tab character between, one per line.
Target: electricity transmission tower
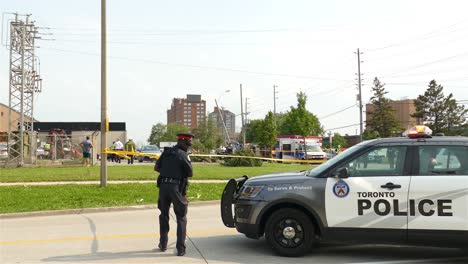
24	83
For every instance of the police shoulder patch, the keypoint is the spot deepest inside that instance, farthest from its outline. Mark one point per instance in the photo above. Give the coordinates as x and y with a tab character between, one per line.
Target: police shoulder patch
341	189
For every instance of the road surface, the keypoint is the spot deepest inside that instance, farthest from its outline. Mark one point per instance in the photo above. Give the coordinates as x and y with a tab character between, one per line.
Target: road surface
131	237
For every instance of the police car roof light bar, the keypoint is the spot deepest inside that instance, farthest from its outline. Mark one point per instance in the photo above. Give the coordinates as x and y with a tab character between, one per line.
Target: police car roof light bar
418	132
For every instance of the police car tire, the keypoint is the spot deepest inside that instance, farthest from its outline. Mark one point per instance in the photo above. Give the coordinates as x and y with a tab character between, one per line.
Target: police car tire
299	219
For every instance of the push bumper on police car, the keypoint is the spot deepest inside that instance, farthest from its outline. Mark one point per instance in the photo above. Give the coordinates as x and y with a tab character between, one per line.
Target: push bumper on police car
240	215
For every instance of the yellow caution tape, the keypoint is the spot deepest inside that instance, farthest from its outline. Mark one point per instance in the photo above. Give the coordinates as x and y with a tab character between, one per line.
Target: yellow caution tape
260	158
125	154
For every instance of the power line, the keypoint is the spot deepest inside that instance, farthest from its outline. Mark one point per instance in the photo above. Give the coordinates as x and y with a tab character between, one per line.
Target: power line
343	126
337	112
429	63
164	43
422	83
197	66
424	36
438	72
418	49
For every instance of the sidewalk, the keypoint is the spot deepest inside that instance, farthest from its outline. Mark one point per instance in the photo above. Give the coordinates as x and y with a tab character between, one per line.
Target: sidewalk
96	182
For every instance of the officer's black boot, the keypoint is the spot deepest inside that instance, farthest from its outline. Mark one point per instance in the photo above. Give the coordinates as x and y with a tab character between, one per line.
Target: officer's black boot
162	247
180	252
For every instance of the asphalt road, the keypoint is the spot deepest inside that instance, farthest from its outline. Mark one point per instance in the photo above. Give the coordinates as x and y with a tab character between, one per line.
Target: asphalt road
131	237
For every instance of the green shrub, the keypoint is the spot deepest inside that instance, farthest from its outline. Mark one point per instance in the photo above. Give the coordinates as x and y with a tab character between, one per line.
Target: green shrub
203	159
243	162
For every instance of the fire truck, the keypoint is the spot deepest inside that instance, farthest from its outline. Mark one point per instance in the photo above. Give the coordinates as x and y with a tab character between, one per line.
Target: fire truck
294	147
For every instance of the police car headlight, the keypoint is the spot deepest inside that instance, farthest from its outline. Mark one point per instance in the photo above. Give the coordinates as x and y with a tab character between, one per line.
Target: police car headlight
250	191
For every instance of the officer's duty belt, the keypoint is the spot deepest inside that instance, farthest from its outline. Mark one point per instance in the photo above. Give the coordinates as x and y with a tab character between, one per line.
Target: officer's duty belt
170	180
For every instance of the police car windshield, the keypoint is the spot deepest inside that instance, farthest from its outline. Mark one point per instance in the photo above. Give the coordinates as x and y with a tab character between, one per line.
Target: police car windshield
343	155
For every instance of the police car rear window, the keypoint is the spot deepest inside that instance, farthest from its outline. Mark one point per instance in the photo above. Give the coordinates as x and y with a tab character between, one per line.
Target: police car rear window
443	160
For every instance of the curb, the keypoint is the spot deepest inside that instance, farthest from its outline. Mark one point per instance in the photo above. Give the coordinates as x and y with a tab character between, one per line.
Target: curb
95	210
43	183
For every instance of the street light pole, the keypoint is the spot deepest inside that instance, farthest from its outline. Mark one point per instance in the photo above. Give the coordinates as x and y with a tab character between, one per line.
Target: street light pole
226	134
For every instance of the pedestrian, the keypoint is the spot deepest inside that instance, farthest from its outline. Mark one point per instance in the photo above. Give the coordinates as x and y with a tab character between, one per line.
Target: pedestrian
130	147
118	147
86	145
174	167
112	149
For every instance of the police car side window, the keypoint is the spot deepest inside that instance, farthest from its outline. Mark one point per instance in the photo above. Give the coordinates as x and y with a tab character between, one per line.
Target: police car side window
443	160
381	161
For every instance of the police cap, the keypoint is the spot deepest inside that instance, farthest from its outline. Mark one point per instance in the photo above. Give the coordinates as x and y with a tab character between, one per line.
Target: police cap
187	138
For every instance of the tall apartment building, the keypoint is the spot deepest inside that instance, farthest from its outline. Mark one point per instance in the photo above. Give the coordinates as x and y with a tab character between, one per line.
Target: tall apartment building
229	120
403	111
188	111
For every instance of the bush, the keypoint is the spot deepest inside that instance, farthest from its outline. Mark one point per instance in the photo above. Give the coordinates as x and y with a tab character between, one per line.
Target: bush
243	162
203	159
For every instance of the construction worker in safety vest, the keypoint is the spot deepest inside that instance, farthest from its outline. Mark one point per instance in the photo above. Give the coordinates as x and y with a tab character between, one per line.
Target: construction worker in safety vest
130	147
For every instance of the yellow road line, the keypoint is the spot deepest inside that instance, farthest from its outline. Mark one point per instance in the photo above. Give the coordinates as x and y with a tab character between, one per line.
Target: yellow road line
88	238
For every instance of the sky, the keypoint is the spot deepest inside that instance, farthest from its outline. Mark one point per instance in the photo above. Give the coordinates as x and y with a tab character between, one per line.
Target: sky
159	50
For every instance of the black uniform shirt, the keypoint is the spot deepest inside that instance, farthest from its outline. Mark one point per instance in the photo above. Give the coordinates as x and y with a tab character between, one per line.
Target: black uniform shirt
174	163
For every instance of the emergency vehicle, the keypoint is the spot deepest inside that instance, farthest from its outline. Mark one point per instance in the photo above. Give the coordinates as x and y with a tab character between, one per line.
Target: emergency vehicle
293	147
415	193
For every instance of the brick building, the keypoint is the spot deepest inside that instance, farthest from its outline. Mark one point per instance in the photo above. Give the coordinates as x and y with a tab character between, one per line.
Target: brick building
403	111
187	111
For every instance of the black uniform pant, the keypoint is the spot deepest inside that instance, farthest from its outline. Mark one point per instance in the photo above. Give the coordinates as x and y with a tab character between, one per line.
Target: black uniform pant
130	159
169	193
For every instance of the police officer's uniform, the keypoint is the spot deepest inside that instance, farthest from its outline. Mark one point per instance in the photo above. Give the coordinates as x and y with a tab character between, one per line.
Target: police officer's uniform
175	168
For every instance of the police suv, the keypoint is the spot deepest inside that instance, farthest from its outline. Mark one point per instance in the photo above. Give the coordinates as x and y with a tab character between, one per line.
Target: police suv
415	193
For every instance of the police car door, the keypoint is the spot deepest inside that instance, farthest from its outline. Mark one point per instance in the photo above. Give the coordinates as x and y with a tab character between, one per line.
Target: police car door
373	198
438	197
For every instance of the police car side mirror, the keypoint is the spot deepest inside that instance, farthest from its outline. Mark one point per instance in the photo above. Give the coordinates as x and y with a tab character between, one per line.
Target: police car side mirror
341	173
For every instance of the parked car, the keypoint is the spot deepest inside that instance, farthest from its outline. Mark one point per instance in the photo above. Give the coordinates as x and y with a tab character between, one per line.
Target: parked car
152	151
3	151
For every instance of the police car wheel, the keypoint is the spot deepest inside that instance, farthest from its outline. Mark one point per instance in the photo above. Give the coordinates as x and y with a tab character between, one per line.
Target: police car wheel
290	232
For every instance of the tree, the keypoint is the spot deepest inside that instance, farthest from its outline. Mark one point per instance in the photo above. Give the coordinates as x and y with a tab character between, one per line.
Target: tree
368	134
267	137
456	120
440	113
161	133
383	119
299	121
253	130
157	132
207	136
338	140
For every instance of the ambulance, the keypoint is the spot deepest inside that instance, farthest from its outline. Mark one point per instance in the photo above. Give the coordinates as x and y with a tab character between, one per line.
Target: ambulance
293	147
416	193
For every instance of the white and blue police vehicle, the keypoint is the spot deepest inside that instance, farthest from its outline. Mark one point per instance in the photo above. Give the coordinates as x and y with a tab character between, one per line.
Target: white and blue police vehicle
415	193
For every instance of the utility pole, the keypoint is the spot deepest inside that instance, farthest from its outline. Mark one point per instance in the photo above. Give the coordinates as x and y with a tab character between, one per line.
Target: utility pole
104	118
246	120
242	113
274	102
23	84
330	139
360	94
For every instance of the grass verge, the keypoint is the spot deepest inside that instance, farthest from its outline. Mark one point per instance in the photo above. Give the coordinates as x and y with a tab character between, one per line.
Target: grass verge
138	172
40	198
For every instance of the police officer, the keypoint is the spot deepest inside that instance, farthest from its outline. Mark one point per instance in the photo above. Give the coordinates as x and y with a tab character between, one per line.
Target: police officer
175	168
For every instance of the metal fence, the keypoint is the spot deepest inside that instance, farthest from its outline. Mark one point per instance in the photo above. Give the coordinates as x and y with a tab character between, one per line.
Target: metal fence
47	149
